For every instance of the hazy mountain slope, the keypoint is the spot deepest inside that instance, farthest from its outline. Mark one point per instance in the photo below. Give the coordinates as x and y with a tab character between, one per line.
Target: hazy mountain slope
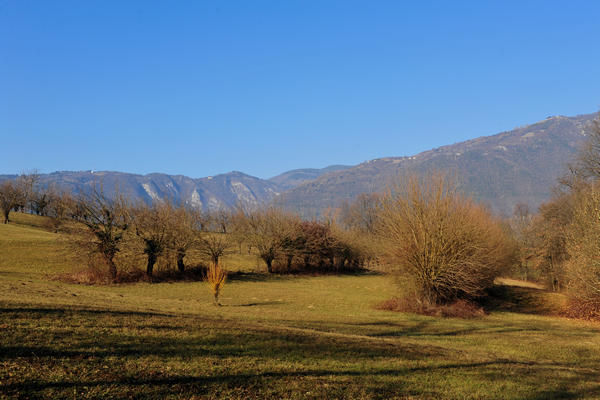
211	193
521	165
295	177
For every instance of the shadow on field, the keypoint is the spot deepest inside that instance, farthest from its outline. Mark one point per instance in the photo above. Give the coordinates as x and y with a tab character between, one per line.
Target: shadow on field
261	303
241	276
205	384
519	299
152	355
432	328
84	334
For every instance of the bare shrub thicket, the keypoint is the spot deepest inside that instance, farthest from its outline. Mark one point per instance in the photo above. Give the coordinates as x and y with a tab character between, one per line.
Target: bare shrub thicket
582	268
442	244
547	238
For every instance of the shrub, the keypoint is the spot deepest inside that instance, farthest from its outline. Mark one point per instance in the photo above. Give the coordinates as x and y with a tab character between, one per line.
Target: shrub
216	276
582	244
442	244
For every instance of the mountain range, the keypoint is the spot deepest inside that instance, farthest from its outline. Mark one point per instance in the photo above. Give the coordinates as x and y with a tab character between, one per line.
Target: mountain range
517	166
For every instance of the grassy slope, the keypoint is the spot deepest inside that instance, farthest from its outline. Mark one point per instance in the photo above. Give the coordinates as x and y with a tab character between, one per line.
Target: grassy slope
290	337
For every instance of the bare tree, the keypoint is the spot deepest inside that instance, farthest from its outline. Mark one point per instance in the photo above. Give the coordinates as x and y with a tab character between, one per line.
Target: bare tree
214	245
107	220
221	218
153	225
362	213
41	200
185	225
268	231
12	196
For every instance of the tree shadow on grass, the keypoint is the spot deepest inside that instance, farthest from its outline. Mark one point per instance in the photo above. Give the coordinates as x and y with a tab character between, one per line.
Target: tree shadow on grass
260	303
524	300
242	276
85	339
557	388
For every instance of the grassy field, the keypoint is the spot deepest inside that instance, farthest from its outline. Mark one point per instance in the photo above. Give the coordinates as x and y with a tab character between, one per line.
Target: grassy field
274	337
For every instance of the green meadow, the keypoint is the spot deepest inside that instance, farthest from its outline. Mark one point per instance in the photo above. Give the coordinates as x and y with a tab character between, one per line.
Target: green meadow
299	337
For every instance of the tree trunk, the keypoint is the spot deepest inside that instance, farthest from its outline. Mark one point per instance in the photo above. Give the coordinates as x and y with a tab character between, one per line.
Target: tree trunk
269	262
151	262
112	268
6	212
180	263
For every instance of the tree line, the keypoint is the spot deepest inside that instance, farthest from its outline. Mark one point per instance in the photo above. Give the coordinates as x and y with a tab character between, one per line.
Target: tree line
283	241
559	245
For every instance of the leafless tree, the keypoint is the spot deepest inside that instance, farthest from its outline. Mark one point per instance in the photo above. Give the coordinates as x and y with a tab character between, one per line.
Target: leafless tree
153	226
362	213
107	219
12	196
268	231
185	227
214	245
42	199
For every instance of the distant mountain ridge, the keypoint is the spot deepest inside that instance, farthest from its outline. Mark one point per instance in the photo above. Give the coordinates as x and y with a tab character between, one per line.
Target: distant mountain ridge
517	166
295	177
210	193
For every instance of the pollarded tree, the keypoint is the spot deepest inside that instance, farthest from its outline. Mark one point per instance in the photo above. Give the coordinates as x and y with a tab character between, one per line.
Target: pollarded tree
41	200
214	245
185	225
107	219
153	226
269	231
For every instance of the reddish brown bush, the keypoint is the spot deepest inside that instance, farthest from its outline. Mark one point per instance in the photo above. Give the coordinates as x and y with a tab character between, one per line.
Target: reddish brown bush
581	309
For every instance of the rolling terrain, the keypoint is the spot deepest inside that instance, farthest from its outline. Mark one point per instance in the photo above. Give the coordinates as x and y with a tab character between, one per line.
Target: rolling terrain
296	337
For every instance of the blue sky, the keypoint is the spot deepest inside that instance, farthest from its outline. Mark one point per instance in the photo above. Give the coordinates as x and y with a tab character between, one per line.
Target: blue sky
204	87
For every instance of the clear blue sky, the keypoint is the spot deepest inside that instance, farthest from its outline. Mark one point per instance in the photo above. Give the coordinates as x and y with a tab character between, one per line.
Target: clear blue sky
202	87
